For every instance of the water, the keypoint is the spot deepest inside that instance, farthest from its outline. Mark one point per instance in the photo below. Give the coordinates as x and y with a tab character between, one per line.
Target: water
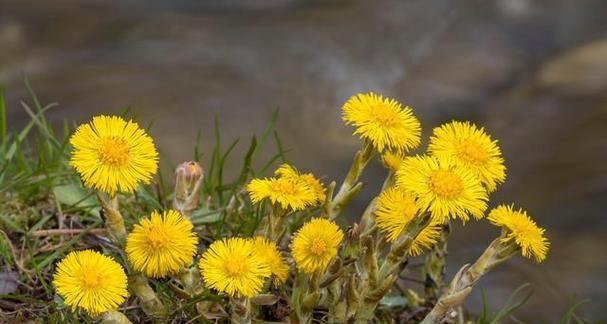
533	72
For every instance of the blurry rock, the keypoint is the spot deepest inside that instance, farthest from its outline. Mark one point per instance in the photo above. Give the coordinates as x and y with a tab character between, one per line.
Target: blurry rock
580	71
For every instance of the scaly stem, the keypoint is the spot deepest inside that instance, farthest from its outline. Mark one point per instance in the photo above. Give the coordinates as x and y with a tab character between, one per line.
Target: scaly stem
151	305
350	187
114	317
366	220
399	249
191	280
305	296
463	282
113	219
241	310
435	263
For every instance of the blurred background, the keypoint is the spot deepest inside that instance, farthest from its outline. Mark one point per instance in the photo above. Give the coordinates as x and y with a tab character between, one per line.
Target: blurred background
533	72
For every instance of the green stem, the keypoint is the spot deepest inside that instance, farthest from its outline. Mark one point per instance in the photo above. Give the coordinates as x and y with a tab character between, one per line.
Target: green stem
114	317
113	218
150	303
350	186
435	263
398	250
463	282
241	310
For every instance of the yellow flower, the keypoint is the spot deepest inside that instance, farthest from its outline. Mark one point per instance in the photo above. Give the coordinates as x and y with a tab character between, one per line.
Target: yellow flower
426	239
233	266
91	281
111	154
382	121
268	251
317	188
288	188
315	245
395	209
444	189
162	244
392	160
470	146
522	230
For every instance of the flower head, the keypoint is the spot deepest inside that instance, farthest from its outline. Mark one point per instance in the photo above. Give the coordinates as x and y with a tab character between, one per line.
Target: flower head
382	121
233	266
91	281
470	146
392	160
268	251
395	209
446	190
521	230
426	239
289	189
161	244
315	245
111	154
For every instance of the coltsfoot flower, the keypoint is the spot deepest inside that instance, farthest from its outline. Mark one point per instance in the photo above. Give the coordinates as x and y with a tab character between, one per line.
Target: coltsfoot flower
444	189
268	251
235	267
426	239
395	209
392	160
382	121
315	245
111	154
522	230
91	281
470	146
289	189
161	244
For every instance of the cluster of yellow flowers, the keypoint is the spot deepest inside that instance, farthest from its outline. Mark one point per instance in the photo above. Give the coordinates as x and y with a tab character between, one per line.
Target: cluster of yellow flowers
453	180
289	189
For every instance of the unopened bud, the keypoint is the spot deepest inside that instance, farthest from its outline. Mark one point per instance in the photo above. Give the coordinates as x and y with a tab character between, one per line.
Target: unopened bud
188	181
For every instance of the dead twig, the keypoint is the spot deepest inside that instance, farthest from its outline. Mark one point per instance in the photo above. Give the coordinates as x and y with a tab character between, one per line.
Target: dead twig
52	232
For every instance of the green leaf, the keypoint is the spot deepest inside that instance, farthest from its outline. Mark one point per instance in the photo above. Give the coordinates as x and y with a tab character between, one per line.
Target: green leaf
393	301
73	195
205	216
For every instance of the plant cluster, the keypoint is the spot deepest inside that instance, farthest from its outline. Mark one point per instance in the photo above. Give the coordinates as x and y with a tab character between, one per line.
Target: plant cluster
270	249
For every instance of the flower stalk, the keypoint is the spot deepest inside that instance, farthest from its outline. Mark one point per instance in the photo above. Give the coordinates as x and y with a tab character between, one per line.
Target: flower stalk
150	303
460	287
191	280
241	310
435	263
113	218
350	186
114	317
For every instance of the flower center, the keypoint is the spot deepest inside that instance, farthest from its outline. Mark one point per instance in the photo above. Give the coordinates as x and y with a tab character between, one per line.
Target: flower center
446	184
157	238
114	151
285	187
318	246
385	115
472	152
235	266
407	209
91	279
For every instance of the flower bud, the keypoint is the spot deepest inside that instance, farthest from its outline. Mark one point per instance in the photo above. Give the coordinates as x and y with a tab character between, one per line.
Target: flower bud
188	181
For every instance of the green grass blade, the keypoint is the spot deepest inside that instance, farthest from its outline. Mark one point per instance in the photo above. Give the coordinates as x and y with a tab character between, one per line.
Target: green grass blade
3	134
570	314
